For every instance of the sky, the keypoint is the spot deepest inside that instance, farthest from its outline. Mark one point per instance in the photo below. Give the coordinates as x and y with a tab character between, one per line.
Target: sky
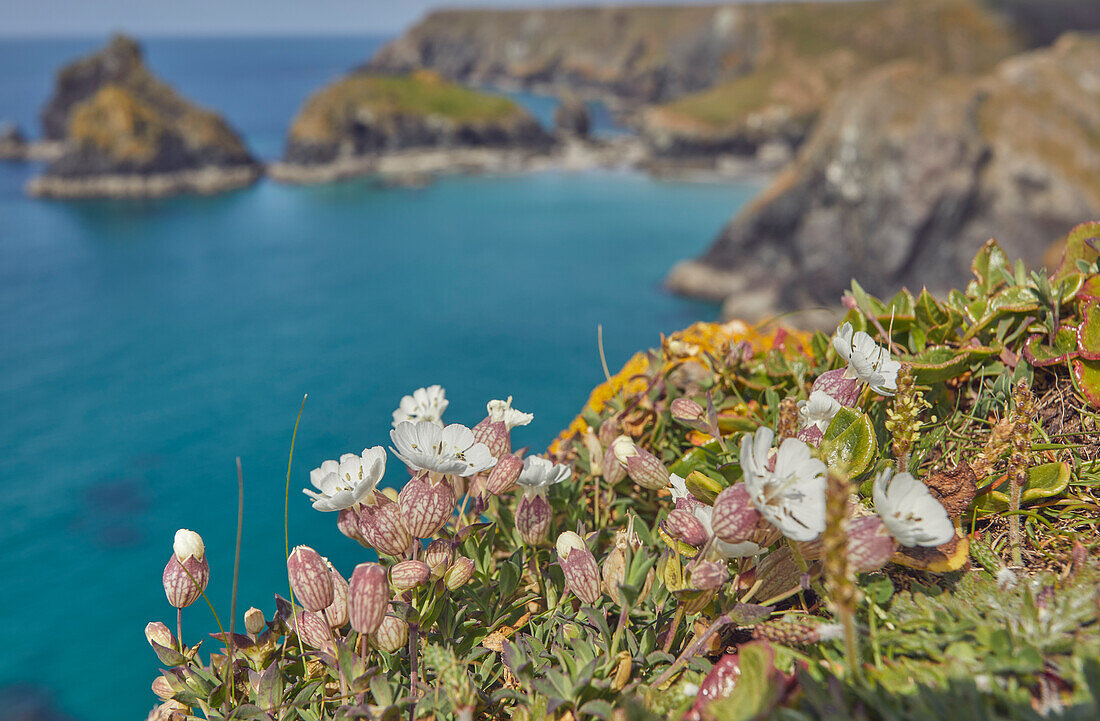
39	18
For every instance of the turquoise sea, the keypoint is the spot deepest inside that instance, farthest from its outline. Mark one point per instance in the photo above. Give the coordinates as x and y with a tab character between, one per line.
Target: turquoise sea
145	345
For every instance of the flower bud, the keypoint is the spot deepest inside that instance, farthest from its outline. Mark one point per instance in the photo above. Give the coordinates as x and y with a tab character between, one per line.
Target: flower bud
623	448
609	429
157	634
613	471
368	597
582	575
439	555
407	575
391	635
709	575
461	571
595	452
310	579
644	467
835	383
382	527
533	517
870	545
347	522
735	517
188	544
504	475
614	573
689	413
254	621
162	688
184	581
684	526
313	631
425	506
337	612
495	435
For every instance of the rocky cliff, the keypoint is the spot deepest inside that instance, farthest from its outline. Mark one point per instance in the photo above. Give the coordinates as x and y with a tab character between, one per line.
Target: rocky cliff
126	133
908	172
351	124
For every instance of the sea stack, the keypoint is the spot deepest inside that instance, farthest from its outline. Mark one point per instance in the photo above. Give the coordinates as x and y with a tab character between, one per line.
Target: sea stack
406	126
127	134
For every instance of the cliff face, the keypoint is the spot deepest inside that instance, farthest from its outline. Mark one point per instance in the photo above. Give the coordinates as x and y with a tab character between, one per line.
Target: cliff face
364	115
127	133
908	172
804	53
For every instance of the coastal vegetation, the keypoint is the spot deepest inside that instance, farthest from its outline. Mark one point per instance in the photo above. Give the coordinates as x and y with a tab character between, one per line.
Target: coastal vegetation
895	520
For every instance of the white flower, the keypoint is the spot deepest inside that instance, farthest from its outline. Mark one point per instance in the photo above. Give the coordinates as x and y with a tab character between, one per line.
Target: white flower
347	482
425	404
623	448
867	361
677	486
539	473
503	412
188	543
447	451
790	494
818	410
909	511
705	514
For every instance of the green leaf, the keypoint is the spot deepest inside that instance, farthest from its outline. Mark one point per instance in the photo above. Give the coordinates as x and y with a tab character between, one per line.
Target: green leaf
1090	289
703	487
1088	333
941	363
1045	481
929	313
849	442
989	267
1086	376
598	708
1078	247
1040	354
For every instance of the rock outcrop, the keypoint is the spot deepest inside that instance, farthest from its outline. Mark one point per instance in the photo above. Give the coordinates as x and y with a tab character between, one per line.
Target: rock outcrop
802	54
908	172
127	134
571	117
365	123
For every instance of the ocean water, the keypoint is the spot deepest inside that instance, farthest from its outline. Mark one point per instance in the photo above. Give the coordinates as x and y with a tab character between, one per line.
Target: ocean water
145	345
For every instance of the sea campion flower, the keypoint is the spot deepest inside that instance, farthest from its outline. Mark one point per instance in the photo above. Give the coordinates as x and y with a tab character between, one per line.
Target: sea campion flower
681	496
685	527
439	555
461	571
909	511
392	634
313	631
382	527
337	612
867	361
310	578
426	505
870	545
407	575
818	411
425	404
440	451
503	412
533	513
157	634
837	385
505	474
368	597
582	575
789	489
254	621
187	571
642	466
495	431
348	482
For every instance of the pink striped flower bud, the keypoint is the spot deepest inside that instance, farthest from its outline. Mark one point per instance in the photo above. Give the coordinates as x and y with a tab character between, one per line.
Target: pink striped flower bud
382	527
609	430
684	526
595	452
310	578
613	471
407	575
504	475
582	575
187	572
391	635
162	688
835	383
425	506
735	517
313	631
157	634
870	545
337	612
642	466
461	571
495	436
709	575
368	597
347	522
690	413
439	555
533	517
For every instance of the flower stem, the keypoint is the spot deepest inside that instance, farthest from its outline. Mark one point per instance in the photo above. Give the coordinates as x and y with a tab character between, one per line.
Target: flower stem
673	627
414	643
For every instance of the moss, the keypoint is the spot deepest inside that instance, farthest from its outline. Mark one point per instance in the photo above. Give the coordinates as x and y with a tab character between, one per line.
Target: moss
421	94
118	124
